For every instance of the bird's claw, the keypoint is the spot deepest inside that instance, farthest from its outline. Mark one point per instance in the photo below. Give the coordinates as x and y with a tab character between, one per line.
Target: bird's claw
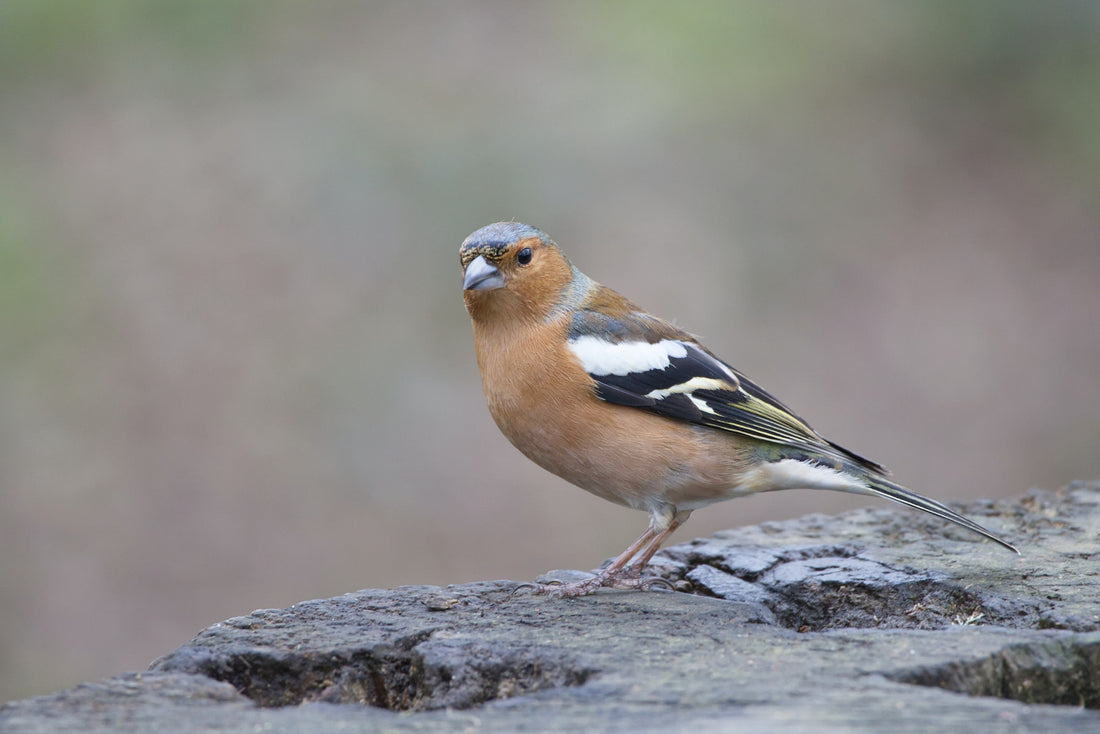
559	590
649	583
536	589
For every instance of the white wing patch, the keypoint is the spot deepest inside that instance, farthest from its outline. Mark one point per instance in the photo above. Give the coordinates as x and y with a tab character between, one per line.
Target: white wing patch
600	357
702	405
695	383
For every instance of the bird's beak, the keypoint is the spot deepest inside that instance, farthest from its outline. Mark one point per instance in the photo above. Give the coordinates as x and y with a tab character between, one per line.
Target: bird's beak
481	276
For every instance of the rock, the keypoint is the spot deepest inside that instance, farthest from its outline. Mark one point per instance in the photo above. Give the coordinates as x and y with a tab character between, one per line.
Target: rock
873	620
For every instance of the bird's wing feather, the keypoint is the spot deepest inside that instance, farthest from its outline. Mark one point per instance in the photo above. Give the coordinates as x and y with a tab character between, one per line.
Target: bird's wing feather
639	361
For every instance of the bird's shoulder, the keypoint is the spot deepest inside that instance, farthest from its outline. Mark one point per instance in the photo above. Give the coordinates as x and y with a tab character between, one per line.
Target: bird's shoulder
608	315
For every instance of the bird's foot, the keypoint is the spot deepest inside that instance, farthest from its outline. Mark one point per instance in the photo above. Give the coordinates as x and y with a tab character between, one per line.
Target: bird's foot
626	578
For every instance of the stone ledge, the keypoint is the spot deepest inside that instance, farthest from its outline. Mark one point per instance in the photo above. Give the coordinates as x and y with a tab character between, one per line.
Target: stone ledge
874	620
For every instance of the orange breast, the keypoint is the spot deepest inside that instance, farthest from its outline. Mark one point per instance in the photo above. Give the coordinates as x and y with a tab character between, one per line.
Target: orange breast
544	403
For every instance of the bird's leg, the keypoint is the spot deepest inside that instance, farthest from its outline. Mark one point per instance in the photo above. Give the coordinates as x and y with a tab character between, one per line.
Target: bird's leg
603	577
634	570
618	574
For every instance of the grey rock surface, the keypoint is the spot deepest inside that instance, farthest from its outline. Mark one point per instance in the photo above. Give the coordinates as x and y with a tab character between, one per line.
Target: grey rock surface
876	620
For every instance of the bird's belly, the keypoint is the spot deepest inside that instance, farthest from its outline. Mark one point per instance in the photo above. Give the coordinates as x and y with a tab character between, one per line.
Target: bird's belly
628	456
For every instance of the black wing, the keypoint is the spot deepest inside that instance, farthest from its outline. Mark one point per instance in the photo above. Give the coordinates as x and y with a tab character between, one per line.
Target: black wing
676	377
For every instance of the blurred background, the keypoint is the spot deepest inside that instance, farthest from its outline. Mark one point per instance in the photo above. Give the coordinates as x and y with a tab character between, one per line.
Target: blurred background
235	369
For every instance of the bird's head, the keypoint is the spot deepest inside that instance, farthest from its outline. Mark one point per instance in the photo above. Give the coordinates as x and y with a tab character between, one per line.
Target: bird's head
512	271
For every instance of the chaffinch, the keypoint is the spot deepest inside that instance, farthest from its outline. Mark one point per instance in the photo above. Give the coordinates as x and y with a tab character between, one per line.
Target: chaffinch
631	408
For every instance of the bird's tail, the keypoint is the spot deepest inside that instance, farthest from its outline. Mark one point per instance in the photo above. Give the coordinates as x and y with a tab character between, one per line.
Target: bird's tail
885	488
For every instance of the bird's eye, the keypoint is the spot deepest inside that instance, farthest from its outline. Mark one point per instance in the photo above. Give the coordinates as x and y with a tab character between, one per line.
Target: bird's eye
523	257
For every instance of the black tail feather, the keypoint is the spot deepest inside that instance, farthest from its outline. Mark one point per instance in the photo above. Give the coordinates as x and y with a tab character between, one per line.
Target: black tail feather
897	493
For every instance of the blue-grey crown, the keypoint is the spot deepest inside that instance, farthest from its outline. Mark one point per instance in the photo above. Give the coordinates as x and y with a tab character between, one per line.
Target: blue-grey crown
493	241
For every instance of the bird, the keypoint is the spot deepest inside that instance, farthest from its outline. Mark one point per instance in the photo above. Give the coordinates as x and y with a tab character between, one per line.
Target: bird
632	408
